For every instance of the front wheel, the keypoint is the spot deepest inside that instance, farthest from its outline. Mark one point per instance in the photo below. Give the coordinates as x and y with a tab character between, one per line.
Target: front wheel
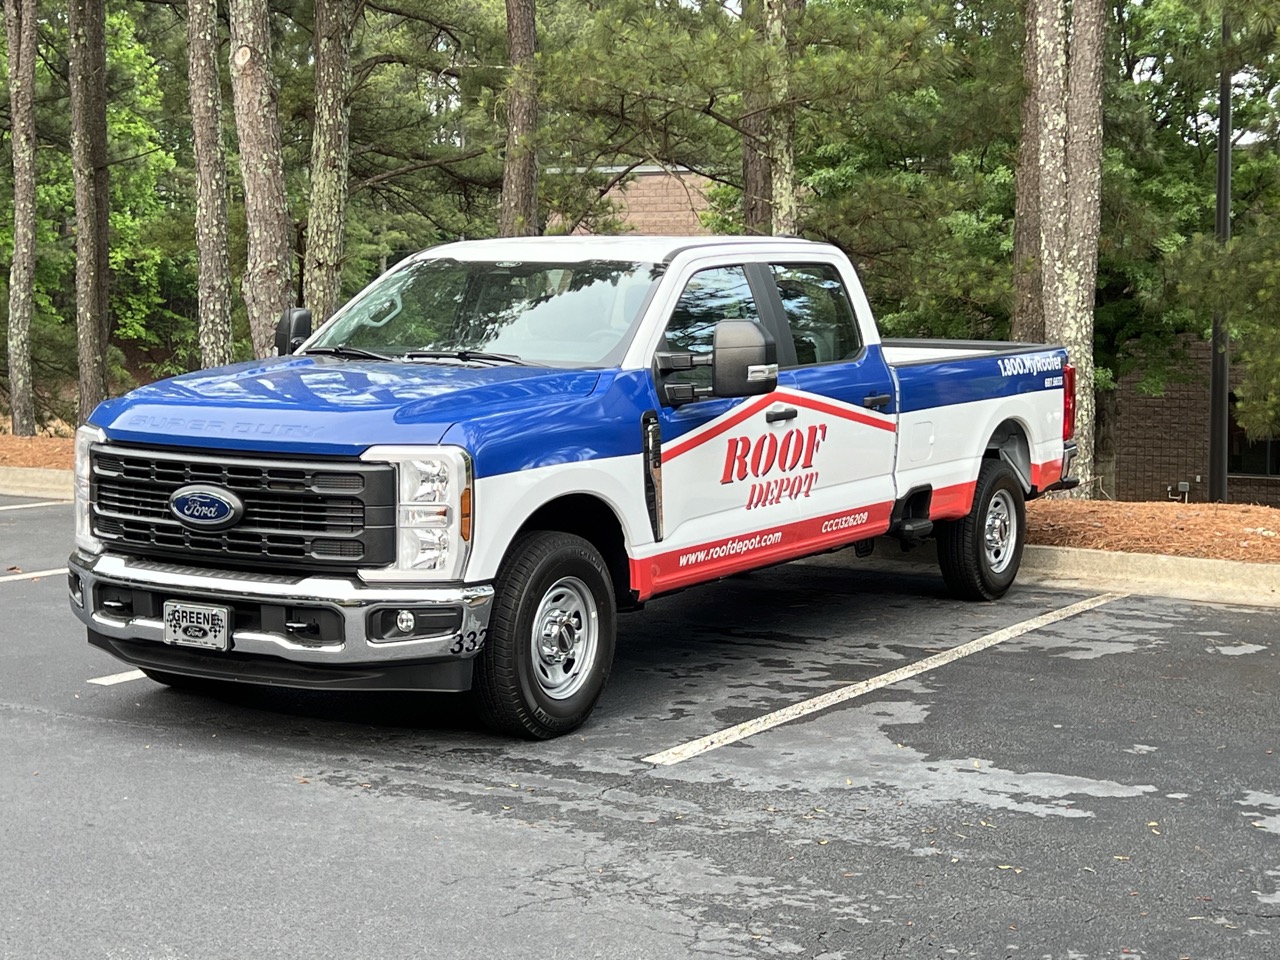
980	553
551	637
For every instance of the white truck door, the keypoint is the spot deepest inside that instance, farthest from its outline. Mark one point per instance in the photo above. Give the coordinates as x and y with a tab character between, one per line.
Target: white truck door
721	457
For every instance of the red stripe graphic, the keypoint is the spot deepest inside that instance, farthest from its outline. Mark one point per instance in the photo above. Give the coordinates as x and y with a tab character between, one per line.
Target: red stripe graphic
953	502
1043	474
950	503
720	558
752	407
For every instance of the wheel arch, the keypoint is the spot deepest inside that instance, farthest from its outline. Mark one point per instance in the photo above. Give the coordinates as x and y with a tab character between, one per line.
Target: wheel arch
1009	442
591	518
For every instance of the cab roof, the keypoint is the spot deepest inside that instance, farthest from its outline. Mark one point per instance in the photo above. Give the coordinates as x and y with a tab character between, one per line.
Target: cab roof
641	249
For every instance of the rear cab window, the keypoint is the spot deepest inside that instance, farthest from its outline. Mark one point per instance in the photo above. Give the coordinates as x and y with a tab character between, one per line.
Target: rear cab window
824	328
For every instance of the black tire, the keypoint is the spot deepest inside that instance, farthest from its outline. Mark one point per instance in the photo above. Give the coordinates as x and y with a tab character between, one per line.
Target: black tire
553	599
973	567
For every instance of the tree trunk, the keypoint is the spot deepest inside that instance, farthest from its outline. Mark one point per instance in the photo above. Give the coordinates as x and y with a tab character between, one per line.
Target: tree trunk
330	157
266	283
757	175
1084	213
87	57
205	94
20	27
1069	157
519	214
779	27
1028	310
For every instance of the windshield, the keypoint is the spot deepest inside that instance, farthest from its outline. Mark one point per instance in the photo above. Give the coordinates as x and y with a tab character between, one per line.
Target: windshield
557	314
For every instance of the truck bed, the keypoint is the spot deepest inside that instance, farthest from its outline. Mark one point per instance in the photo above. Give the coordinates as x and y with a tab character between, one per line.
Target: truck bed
903	352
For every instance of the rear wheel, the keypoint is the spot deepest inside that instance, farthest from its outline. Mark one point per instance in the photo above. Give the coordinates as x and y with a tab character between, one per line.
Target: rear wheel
551	637
979	554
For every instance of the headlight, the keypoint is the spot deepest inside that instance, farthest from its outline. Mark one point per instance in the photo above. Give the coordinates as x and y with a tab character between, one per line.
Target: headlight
85	540
433	512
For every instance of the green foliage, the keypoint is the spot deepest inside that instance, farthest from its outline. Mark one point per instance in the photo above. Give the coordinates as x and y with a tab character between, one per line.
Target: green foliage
906	143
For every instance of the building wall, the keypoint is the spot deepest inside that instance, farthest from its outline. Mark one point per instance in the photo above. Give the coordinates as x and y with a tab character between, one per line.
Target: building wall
658	201
1161	441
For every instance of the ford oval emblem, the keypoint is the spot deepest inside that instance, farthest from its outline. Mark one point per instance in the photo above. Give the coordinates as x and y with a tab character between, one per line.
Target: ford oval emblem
204	507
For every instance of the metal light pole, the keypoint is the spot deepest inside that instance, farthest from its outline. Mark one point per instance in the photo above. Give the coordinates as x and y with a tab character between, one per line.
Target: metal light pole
1220	364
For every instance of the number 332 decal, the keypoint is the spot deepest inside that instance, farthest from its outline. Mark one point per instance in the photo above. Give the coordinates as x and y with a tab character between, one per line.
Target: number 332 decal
468	642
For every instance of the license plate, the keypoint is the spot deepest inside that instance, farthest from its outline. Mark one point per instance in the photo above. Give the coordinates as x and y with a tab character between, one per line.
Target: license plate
197	625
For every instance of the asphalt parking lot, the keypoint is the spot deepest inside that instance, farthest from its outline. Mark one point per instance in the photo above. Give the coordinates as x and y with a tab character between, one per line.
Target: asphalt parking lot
1103	781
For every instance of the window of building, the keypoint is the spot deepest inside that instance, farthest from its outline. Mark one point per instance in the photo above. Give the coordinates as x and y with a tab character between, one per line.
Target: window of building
1250	458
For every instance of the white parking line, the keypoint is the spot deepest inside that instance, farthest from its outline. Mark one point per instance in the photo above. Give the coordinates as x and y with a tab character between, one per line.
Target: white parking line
751	727
118	678
42	503
34	575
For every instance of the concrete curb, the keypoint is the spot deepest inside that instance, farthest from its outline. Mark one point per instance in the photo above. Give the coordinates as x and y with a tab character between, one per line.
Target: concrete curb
1183	578
33	482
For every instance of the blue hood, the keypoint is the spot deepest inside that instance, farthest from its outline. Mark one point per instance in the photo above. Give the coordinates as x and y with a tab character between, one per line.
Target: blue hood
318	405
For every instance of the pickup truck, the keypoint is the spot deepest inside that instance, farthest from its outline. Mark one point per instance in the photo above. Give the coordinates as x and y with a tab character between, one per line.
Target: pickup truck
458	481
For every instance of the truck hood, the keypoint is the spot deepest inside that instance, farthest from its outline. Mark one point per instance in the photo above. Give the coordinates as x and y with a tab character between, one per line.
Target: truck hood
327	406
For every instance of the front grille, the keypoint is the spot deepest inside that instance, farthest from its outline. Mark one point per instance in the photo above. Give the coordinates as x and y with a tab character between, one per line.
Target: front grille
314	515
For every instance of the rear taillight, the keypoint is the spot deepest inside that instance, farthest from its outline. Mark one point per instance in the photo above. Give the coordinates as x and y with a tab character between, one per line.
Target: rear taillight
1068	401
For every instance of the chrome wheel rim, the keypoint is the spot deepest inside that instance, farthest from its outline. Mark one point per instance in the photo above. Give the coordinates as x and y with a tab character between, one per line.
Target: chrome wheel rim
566	638
1000	532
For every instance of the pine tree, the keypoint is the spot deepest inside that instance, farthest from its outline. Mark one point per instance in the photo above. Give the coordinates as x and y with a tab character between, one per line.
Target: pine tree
20	26
267	271
205	96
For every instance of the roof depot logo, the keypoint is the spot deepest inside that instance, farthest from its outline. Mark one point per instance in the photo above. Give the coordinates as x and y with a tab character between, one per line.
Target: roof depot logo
778	467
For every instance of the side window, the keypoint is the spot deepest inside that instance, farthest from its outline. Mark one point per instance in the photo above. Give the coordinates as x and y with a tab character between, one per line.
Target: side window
721	293
823	325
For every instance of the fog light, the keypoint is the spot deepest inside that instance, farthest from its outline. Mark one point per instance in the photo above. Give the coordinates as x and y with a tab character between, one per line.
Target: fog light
398	624
76	588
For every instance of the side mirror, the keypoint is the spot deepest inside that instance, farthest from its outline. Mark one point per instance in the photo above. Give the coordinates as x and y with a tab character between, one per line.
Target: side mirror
292	329
745	360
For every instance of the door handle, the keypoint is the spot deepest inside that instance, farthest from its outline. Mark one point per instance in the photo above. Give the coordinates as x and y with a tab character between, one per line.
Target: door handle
776	416
877	400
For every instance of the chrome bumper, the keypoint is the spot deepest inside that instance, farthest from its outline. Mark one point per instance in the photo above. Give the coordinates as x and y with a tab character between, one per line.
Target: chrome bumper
352	600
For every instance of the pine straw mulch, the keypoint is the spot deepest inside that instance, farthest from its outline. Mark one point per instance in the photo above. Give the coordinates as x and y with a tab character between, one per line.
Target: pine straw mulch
1215	531
49	453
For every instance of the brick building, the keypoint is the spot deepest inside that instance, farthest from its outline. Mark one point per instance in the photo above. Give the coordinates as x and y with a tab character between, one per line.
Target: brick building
656	200
1158	442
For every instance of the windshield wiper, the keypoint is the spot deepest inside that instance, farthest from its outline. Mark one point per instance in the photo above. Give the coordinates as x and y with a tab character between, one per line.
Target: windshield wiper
466	356
350	353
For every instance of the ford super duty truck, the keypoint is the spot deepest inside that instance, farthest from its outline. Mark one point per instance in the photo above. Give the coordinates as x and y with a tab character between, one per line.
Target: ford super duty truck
458	481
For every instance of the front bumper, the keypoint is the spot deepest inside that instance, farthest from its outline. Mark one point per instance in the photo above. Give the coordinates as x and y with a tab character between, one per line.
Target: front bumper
290	631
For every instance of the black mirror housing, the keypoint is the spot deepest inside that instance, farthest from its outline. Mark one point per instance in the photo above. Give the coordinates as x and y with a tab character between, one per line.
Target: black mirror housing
745	360
292	329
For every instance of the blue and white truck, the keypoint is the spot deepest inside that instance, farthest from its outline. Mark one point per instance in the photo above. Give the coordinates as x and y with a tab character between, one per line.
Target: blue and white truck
459	481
